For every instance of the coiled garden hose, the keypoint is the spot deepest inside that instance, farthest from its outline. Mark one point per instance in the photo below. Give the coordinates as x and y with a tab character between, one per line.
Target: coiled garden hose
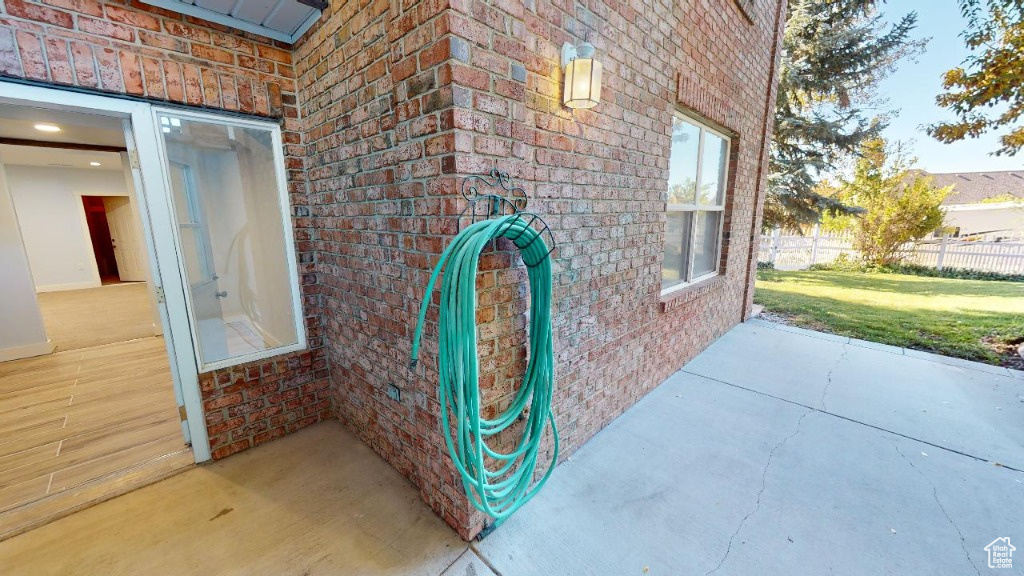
503	490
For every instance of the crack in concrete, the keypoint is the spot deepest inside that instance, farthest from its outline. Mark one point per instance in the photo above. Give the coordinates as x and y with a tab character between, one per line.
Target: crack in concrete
764	484
828	376
935	495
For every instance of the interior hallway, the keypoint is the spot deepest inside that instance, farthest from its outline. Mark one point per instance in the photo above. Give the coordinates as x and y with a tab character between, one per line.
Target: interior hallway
82	318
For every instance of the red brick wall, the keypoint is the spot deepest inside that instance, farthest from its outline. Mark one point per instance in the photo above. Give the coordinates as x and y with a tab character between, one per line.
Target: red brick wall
132	48
402	98
599	177
374	80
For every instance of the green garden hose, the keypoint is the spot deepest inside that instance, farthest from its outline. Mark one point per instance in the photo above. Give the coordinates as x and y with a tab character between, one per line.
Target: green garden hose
501	491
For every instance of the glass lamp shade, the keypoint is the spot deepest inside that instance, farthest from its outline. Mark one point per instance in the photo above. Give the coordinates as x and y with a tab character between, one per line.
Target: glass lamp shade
582	83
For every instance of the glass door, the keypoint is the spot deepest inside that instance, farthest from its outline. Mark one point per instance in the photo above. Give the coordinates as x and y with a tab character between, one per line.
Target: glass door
236	251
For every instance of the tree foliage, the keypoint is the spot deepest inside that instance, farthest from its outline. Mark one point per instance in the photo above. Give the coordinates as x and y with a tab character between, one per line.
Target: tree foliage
898	205
986	93
833	55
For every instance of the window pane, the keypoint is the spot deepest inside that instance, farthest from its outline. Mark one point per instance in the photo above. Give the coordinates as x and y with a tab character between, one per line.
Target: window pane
677	240
712	170
225	179
682	164
705	244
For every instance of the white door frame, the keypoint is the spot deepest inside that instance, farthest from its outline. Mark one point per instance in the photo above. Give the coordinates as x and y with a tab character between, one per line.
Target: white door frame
155	211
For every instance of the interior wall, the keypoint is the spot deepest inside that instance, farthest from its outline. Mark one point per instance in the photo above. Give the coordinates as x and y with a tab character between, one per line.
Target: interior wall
50	215
21	332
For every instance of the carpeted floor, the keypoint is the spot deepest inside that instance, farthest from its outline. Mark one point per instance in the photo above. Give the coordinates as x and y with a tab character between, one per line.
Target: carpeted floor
82	318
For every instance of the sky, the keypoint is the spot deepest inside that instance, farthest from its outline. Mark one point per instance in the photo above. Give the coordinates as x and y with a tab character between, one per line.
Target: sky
913	86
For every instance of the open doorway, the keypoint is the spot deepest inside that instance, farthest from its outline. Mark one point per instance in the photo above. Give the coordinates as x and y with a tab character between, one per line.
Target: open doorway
99	236
96	403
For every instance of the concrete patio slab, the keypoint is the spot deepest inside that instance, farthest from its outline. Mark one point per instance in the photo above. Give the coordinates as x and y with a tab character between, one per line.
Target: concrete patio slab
960	406
707	478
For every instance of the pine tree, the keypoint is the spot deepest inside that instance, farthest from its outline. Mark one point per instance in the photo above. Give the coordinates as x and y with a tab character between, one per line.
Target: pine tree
987	92
834	52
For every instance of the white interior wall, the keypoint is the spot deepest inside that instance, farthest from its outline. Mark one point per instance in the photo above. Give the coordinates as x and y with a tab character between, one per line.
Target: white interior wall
53	227
21	332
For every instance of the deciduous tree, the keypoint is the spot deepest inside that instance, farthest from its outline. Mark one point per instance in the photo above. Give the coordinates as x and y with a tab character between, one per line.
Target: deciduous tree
898	205
986	93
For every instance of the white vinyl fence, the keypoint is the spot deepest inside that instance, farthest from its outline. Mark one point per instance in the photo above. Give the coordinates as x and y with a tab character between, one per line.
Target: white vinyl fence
801	252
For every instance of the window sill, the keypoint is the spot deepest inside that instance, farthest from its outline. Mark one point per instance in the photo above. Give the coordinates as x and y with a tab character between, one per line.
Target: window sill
681	296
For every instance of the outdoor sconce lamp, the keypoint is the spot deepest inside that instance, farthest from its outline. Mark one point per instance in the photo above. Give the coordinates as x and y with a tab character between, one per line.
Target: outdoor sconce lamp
582	76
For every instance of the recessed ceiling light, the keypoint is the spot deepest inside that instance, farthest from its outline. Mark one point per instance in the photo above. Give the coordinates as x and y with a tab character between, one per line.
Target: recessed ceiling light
47	127
94	164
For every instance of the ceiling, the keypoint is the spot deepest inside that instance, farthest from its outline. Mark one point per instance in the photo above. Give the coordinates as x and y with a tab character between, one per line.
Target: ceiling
76	127
284	20
58	157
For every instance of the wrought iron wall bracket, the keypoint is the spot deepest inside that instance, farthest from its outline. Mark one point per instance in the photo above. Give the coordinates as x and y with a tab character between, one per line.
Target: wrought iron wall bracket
493	196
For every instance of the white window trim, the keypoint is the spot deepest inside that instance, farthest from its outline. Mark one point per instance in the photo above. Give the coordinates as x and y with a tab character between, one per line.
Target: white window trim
697	207
284	204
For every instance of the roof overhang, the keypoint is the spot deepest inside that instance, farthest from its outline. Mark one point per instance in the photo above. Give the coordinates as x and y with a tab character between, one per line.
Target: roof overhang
284	20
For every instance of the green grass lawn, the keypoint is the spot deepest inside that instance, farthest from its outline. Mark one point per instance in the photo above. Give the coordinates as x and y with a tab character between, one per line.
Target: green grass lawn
978	320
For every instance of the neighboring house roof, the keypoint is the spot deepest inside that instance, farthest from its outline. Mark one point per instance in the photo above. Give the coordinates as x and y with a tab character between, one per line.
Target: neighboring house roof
974	187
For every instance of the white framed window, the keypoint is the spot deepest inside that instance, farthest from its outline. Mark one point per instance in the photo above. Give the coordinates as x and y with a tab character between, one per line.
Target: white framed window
229	204
695	207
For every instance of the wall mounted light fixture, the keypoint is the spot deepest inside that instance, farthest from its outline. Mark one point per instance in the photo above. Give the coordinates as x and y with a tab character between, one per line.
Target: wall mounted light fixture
582	76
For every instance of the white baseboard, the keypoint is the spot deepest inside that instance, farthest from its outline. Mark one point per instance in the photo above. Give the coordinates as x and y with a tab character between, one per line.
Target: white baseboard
72	286
26	351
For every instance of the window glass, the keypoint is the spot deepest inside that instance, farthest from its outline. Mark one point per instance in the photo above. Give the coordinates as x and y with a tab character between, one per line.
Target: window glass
234	239
698	167
705	244
712	170
682	166
677	240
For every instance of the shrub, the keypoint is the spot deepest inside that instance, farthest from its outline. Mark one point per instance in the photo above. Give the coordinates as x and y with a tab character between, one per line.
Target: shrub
845	264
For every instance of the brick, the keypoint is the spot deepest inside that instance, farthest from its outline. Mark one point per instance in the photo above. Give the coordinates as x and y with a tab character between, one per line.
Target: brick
229	96
163	41
132	18
84	65
131	73
30	48
174	81
211	87
212	54
193	82
108	63
153	75
106	28
275	54
186	31
90	7
9	64
39	13
233	43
